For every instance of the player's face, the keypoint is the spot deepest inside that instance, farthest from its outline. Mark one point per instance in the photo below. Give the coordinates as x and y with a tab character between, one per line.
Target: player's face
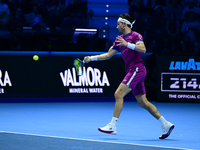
120	27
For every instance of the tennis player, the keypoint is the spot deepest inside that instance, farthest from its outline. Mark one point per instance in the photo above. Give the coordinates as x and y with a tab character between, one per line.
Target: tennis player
131	45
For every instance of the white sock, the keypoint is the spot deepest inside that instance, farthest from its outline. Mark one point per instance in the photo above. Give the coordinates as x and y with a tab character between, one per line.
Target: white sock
114	121
162	120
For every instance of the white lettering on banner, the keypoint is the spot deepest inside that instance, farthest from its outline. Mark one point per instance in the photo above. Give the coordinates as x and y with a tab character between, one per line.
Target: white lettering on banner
91	82
97	76
85	90
6	80
78	90
83	79
172	96
90	77
69	78
74	76
105	79
184	96
1	90
187	96
64	77
96	90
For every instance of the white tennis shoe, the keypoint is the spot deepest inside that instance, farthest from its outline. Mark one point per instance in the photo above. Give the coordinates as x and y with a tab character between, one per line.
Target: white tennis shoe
110	129
166	130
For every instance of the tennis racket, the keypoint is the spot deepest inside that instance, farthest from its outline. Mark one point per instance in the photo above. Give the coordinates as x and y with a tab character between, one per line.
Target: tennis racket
79	64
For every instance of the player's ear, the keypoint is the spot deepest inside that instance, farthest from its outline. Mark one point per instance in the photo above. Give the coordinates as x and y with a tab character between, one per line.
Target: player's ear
124	24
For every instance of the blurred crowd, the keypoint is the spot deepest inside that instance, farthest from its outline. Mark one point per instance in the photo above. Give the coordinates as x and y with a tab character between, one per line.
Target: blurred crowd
41	16
168	26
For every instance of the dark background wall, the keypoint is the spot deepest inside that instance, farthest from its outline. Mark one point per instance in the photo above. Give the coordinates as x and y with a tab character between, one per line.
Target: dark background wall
61	30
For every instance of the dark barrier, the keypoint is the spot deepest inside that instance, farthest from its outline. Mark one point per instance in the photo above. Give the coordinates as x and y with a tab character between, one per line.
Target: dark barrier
53	75
178	78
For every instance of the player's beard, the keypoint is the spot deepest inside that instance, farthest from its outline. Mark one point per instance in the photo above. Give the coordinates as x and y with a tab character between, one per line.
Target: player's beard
121	31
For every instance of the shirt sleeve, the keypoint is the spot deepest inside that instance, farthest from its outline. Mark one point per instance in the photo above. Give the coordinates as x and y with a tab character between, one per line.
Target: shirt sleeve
115	47
138	38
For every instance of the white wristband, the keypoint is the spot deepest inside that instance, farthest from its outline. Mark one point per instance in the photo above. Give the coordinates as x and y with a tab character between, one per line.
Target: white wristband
131	46
93	58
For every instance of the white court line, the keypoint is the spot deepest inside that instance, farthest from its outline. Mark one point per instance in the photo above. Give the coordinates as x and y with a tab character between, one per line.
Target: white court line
93	140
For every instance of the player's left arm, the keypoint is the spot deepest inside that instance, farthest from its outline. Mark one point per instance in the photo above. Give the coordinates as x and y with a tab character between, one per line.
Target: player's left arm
139	46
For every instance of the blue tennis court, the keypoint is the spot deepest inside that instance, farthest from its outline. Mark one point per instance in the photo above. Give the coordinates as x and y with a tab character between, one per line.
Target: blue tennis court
73	126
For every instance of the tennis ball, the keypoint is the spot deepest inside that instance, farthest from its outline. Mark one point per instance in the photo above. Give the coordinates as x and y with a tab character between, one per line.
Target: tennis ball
35	57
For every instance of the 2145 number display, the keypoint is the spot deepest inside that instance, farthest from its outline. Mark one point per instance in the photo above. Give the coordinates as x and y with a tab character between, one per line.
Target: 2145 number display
180	82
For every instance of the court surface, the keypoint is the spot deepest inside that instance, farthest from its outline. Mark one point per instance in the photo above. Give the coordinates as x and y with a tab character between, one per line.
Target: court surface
73	126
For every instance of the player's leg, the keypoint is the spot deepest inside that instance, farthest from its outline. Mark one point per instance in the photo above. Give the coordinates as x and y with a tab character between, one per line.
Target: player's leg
121	91
144	103
132	78
167	127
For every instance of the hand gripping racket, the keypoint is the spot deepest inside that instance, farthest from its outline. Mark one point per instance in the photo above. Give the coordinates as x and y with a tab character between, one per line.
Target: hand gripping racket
79	64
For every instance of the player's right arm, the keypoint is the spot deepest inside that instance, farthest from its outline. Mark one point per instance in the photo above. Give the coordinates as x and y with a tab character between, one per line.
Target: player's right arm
101	57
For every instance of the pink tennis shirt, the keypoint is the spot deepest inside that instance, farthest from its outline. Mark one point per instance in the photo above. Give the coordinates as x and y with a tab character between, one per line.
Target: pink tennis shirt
131	57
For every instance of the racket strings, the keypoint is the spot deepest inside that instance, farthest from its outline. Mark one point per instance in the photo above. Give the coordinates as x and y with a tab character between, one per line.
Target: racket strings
78	66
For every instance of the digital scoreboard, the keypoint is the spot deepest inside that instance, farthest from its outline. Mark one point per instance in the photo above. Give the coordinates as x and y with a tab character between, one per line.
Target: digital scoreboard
178	78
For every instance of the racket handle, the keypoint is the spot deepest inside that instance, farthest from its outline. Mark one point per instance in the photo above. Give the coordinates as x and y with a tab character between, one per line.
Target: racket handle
86	59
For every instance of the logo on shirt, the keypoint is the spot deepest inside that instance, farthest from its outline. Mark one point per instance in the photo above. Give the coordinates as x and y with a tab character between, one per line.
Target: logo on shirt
140	37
